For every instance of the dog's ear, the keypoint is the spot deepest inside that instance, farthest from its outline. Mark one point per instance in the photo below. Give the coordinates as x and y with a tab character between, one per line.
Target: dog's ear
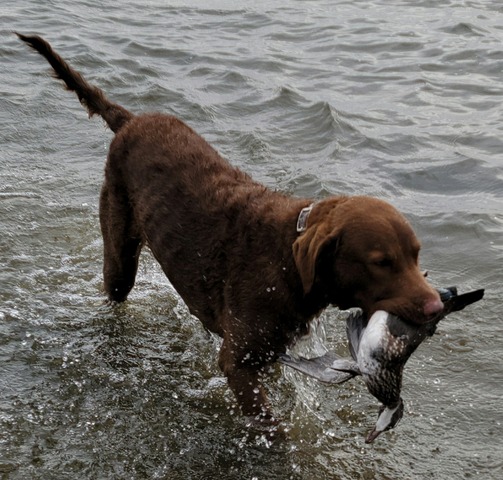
308	250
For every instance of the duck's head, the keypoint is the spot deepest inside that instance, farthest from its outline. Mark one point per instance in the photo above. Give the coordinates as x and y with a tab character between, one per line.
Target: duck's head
387	419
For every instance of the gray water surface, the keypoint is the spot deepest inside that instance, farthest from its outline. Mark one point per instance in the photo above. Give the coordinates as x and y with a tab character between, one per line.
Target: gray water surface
397	99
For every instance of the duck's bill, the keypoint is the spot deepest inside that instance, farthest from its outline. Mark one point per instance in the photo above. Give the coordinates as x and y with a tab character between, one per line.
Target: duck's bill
329	368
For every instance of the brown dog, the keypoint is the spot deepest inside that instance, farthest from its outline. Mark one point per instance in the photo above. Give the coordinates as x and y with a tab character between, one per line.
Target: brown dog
255	266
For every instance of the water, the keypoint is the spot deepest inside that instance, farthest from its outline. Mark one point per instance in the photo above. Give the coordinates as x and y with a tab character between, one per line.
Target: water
397	99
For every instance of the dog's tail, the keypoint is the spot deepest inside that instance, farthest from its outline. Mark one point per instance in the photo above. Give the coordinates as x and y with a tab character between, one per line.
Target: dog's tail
92	98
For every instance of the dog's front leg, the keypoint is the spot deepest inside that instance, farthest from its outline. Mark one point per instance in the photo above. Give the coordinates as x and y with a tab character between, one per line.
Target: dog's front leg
244	380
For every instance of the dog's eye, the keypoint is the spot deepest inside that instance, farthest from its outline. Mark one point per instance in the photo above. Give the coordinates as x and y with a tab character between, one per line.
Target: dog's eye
384	262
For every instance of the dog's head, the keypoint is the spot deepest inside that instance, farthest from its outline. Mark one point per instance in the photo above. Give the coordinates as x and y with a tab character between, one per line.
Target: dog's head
361	252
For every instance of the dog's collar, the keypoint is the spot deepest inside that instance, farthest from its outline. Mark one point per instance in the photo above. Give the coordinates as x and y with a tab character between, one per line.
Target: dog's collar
303	217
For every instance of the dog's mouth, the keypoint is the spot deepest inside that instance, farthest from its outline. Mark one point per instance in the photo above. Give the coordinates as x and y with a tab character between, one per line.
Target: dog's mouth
408	312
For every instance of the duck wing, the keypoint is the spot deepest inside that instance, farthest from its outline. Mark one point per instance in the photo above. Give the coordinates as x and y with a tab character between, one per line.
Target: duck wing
354	330
458	302
329	368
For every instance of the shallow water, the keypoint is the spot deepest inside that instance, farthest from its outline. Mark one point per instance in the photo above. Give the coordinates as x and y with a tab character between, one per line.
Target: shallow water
397	99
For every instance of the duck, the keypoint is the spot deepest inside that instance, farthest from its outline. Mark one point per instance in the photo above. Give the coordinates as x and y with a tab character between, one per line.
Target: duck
380	348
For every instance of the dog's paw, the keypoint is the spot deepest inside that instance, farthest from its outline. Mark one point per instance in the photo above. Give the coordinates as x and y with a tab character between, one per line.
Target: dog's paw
267	426
111	303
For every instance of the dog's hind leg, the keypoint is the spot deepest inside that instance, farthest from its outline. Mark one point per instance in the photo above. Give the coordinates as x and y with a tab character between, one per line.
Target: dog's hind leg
122	243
